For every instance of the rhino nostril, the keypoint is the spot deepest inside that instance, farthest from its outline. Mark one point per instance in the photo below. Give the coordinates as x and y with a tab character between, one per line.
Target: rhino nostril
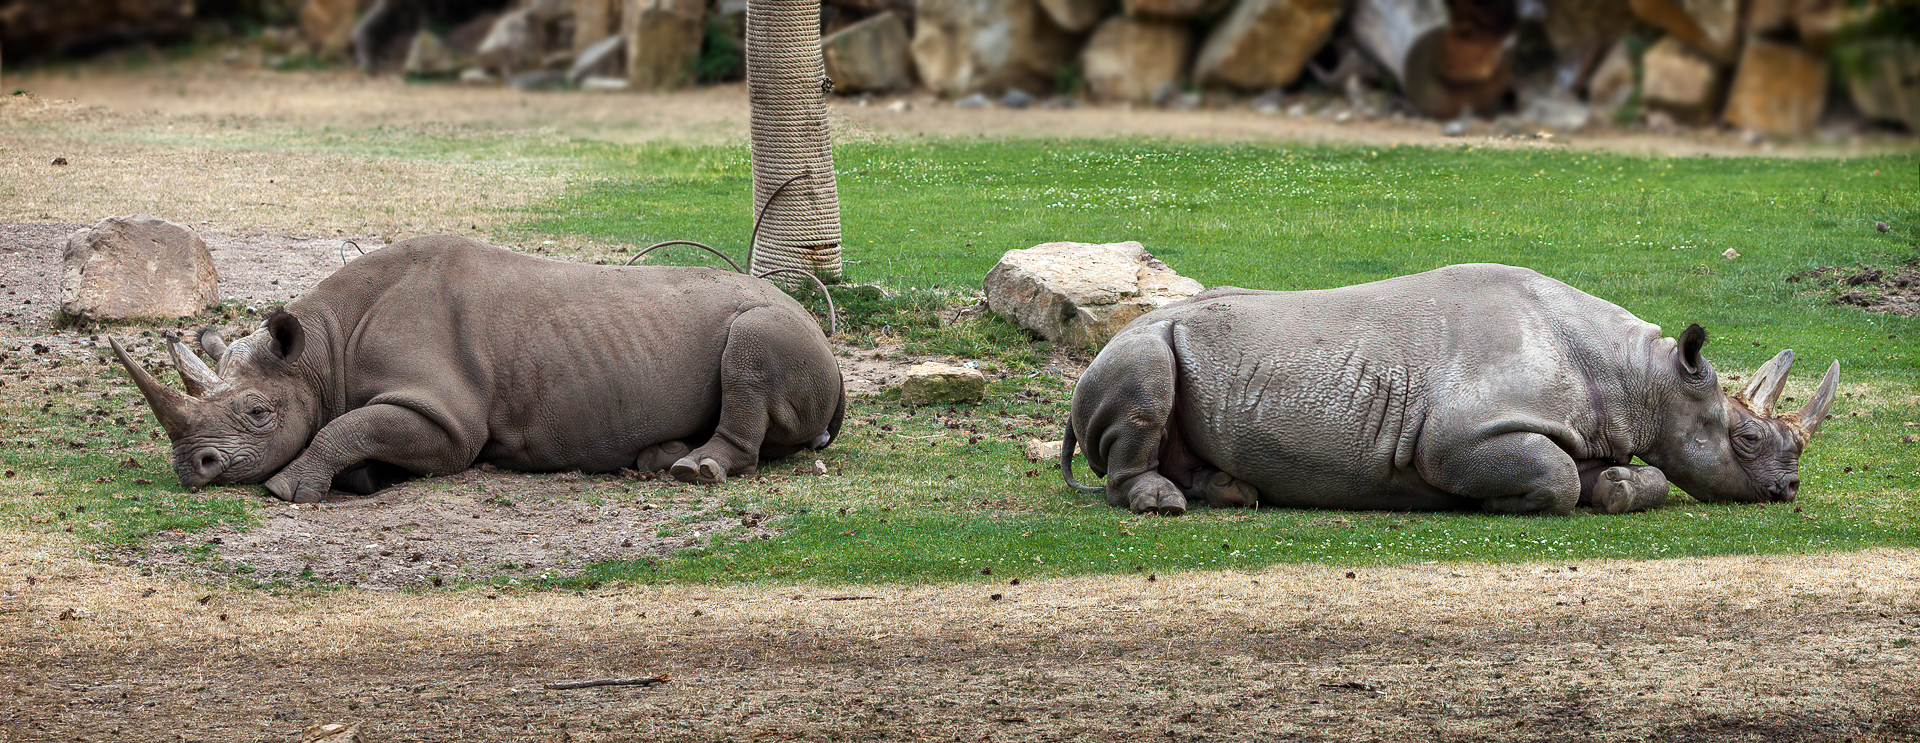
207	463
1788	488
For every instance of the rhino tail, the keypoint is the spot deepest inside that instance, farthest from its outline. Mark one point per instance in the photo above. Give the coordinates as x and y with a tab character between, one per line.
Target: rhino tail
833	425
1066	463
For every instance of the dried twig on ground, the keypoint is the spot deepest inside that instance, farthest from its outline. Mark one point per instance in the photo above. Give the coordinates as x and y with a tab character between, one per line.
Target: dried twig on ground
641	681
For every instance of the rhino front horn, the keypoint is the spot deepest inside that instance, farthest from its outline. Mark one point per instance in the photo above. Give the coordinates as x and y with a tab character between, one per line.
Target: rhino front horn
169	406
1815	410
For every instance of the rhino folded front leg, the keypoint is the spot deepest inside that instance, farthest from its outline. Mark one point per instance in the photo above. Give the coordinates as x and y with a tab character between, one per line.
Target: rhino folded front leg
660	456
1221	490
1629	489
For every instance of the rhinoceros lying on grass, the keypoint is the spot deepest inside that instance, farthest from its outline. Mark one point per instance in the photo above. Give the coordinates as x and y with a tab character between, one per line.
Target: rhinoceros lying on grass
437	353
1468	386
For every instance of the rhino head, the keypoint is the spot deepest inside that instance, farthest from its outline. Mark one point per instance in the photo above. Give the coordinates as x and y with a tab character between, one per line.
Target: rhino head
1733	448
245	422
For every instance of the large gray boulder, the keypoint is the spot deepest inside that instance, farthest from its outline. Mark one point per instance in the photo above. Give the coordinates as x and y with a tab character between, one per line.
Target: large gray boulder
1680	79
513	44
1129	59
1080	294
593	21
1264	44
987	46
137	267
1780	89
663	41
871	55
429	56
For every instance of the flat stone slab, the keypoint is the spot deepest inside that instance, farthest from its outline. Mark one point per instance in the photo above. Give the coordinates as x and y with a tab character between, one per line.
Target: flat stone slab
942	384
1080	294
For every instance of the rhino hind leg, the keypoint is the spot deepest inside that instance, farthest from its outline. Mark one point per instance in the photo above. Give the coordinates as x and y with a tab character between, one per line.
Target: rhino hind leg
1624	489
779	391
1123	403
1513	473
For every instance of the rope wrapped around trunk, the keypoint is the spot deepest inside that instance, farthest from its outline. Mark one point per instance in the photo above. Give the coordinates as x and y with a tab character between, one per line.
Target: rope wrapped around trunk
787	90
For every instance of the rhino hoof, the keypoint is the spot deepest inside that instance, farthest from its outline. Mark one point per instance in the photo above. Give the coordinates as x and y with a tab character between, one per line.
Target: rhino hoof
705	472
1165	501
660	456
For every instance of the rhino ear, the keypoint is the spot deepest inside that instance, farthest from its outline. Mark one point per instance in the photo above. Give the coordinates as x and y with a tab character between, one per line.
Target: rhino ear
1764	389
1691	361
289	337
1816	408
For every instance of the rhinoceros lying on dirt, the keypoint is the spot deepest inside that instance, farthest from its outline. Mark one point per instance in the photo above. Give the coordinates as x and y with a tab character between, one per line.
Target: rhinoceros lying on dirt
439	352
1467	386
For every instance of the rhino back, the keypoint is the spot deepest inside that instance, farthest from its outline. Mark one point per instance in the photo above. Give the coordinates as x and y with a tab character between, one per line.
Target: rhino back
538	364
1340	397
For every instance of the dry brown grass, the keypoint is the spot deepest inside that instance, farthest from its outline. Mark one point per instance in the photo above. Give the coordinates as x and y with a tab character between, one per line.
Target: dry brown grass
1816	648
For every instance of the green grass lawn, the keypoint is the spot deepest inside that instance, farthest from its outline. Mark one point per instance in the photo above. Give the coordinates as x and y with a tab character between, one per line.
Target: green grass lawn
940	495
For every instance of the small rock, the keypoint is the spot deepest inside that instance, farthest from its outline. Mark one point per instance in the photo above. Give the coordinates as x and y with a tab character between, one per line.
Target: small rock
1016	98
975	100
610	84
1270	102
899	107
534	81
477	76
1730	254
1881	226
935	383
819	467
333	733
1042	451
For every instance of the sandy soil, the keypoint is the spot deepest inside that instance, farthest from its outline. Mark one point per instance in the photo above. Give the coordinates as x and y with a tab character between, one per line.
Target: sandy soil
101	647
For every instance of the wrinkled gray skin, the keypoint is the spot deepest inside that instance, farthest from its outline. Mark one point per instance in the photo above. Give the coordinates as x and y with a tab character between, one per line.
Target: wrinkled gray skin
438	353
1473	386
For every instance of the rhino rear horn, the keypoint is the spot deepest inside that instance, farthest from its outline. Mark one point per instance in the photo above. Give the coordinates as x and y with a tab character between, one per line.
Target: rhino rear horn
200	380
169	406
1815	410
1764	389
211	344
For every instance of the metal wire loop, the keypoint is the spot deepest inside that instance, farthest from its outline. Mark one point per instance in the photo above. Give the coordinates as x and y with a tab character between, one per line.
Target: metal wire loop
833	315
708	248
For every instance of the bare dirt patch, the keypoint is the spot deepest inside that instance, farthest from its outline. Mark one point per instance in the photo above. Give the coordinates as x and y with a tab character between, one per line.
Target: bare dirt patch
1893	290
1724	649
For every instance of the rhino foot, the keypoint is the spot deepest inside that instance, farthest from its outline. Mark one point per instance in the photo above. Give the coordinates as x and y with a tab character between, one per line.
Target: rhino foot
705	472
1626	489
660	456
290	489
1222	490
1155	496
